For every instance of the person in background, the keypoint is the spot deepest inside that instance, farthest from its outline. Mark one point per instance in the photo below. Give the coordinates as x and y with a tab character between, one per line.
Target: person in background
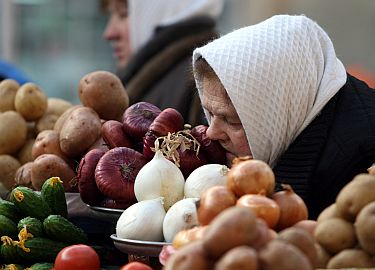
153	41
276	90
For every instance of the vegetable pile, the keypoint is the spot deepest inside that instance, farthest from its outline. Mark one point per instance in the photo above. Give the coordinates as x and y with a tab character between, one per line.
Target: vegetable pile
34	226
27	118
151	151
235	238
345	230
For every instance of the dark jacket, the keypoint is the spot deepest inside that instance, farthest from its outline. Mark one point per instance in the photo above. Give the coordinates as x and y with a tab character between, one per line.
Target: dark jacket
337	145
161	71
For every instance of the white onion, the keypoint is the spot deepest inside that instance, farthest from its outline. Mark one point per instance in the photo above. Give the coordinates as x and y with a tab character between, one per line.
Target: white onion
182	215
160	178
204	177
142	221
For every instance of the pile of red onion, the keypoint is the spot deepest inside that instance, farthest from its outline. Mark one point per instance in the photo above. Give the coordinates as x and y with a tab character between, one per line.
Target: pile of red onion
106	178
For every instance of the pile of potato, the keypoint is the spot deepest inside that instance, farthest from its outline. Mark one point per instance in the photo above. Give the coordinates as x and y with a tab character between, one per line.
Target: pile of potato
25	111
346	229
42	137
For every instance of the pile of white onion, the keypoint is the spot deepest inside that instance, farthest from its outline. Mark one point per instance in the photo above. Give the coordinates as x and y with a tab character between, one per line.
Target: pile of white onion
166	202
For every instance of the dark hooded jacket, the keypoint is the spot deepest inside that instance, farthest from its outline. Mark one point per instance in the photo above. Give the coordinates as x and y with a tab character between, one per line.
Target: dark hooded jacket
337	145
161	71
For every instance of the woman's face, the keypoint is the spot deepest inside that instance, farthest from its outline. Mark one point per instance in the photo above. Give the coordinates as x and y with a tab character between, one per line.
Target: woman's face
225	125
117	31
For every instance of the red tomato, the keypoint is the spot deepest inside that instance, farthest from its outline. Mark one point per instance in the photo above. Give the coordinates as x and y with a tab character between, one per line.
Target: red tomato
135	266
77	257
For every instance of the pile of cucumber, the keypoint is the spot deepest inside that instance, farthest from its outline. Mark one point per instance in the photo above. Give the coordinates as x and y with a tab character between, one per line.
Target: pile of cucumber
34	227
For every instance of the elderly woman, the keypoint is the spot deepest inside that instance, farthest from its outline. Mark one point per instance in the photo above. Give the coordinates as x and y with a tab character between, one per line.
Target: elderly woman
277	91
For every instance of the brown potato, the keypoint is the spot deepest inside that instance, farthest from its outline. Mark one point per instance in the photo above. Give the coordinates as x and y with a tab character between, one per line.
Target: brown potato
241	257
365	228
80	131
23	175
47	142
31	131
351	258
303	240
329	212
24	154
355	195
30	102
104	92
8	167
57	106
62	118
280	255
335	234
189	257
50	165
46	122
13	132
323	256
234	226
8	90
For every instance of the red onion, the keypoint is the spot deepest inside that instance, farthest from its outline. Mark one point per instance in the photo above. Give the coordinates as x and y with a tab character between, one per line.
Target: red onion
189	161
169	120
148	143
115	204
214	152
116	171
87	187
137	119
114	135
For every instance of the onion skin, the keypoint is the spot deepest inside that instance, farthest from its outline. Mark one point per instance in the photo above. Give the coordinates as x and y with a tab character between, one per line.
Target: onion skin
87	187
114	135
189	161
264	208
137	119
212	149
148	143
116	171
213	201
184	237
169	120
292	208
251	176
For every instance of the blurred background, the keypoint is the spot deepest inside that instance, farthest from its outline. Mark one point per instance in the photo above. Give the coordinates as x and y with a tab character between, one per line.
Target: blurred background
56	42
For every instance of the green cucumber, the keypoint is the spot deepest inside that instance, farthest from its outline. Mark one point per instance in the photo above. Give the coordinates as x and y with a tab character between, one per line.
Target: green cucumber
9	210
8	251
33	226
39	249
30	203
53	194
60	229
40	266
8	227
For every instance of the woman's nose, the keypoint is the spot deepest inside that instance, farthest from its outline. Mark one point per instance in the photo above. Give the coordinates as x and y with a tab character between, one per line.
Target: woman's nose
110	32
215	130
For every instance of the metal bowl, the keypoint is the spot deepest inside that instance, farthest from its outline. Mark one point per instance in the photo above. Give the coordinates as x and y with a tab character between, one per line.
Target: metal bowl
138	247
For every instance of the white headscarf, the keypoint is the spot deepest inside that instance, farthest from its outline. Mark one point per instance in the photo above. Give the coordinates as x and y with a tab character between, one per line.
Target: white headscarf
146	15
279	74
